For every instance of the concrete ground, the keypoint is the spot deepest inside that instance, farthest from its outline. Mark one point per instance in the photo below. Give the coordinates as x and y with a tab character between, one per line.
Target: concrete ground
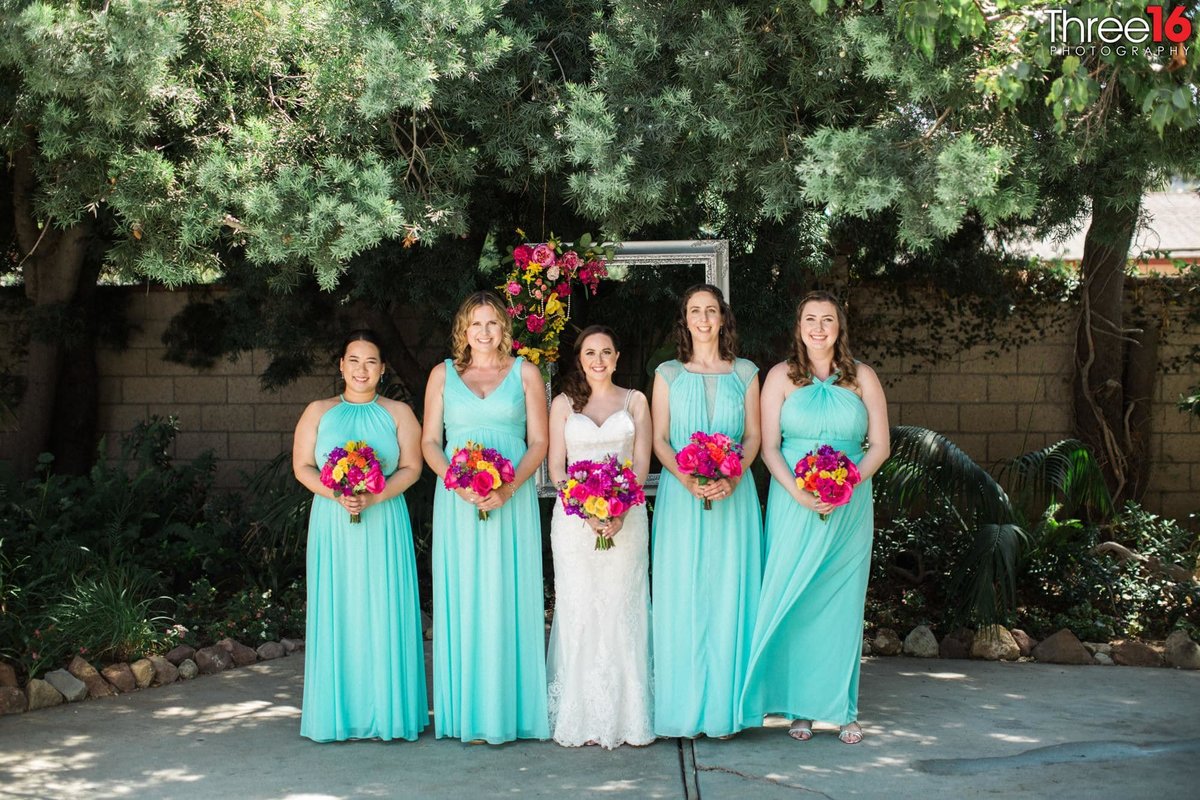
935	729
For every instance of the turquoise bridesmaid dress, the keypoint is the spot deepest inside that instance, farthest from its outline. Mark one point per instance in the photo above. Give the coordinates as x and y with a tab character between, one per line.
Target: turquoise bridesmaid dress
489	623
364	660
808	636
706	567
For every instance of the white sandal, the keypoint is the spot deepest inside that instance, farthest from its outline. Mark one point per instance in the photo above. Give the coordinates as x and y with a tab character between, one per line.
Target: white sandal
850	735
801	730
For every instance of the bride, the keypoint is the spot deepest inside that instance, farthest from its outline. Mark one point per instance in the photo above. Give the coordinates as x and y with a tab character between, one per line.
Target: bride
599	660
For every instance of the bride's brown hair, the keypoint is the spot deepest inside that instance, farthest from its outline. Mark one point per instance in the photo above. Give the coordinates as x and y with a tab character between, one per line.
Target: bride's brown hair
800	367
575	385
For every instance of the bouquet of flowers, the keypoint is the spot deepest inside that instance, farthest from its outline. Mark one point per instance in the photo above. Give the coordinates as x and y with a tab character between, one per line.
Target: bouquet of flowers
538	291
353	469
480	469
829	475
710	457
600	489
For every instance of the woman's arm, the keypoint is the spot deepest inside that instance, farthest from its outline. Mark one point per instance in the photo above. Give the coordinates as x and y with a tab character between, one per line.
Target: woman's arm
560	409
879	438
432	441
304	446
643	435
660	415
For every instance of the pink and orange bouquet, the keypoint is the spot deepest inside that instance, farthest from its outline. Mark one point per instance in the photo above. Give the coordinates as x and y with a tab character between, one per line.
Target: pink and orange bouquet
480	469
829	475
353	469
601	490
710	457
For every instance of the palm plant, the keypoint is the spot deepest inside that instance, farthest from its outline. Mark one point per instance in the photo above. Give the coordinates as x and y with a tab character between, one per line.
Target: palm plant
928	474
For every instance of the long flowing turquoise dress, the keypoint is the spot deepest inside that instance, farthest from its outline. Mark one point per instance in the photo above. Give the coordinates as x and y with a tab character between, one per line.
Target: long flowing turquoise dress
808	636
706	568
489	624
364	660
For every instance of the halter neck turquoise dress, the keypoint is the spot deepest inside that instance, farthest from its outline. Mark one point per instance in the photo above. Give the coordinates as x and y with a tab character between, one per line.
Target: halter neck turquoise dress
808	634
489	623
706	567
364	660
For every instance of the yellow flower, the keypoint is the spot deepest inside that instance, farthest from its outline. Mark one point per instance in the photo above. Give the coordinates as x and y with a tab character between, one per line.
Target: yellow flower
533	355
597	507
490	470
553	306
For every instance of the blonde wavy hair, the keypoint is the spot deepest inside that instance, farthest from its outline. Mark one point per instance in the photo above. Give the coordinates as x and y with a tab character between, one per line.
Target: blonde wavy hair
800	368
462	320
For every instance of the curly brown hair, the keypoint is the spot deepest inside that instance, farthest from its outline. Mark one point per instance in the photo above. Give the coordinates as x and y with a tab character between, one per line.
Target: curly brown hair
799	366
575	385
727	337
462	320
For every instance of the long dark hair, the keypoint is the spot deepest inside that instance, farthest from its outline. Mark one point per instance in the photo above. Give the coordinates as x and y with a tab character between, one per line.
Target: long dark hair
575	385
726	339
799	366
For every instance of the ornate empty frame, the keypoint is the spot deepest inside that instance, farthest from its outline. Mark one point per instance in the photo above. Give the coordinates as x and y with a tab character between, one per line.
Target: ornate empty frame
713	254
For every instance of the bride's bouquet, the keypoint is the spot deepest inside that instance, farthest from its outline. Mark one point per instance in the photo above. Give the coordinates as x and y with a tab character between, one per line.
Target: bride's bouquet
480	469
601	490
353	469
829	474
710	457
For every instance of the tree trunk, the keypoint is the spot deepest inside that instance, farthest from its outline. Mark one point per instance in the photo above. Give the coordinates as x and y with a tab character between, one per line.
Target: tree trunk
1141	374
52	260
1100	344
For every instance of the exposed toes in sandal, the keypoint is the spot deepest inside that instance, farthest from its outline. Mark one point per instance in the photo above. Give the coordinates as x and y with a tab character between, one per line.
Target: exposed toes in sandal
801	730
850	734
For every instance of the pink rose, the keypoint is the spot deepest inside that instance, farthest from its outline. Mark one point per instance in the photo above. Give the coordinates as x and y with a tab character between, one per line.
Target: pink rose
522	253
482	483
553	273
853	476
569	260
615	507
514	311
375	481
506	472
563	290
721	440
327	475
688	460
837	495
731	466
534	323
514	288
543	255
460	457
579	492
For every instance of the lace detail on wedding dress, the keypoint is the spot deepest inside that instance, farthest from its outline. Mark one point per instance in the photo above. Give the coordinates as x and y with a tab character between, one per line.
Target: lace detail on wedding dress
599	660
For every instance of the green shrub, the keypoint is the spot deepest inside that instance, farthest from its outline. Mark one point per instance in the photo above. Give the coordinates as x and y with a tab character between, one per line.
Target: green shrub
111	616
251	616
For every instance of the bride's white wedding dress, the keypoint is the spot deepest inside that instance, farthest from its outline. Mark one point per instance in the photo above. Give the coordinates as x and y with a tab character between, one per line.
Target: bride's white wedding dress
599	661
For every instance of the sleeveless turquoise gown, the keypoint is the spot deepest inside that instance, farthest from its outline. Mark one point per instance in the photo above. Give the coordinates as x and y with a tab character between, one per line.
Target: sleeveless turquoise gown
489	623
706	568
808	635
364	660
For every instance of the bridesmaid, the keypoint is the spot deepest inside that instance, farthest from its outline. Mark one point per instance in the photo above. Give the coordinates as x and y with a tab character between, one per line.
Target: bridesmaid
808	634
706	564
489	646
364	660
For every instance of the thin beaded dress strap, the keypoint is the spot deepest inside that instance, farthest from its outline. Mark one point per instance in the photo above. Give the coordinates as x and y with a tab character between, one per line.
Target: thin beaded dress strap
628	397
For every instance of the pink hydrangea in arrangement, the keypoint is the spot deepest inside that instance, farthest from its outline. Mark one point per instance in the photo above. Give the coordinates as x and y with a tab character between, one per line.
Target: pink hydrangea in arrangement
829	474
710	457
538	290
480	469
601	490
353	469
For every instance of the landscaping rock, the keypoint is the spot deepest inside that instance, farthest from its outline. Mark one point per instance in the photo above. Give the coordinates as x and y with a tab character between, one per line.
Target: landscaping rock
67	685
120	676
12	700
41	694
956	644
1098	647
866	648
212	660
1181	652
177	654
1103	659
1062	648
96	685
1025	642
164	671
269	650
995	643
242	655
1135	654
188	669
921	643
8	675
886	643
292	645
427	626
143	672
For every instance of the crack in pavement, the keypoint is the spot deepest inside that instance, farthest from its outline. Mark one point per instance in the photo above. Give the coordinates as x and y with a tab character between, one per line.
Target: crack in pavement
1055	754
763	779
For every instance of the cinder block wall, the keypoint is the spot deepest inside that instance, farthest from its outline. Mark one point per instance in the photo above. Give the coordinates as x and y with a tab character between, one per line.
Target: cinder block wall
993	407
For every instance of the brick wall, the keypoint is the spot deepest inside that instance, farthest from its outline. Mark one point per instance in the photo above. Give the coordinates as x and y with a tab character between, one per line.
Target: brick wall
994	407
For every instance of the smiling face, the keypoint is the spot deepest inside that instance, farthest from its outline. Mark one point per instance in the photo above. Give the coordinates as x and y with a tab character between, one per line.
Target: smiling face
361	367
598	358
485	330
703	316
819	328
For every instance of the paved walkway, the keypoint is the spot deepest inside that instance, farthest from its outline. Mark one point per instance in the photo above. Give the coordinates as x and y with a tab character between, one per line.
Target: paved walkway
935	729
